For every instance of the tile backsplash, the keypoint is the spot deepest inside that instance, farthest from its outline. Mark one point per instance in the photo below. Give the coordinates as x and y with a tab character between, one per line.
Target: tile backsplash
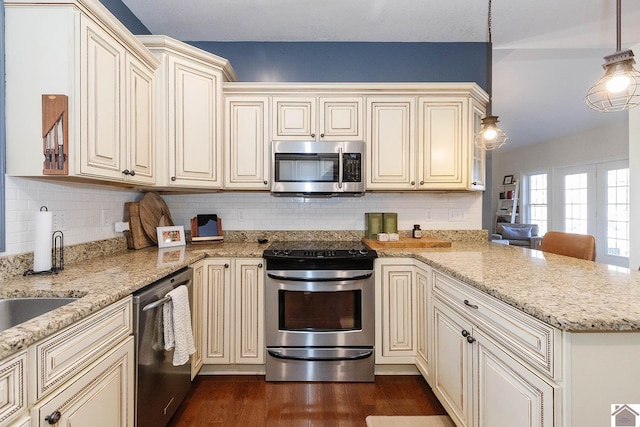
87	212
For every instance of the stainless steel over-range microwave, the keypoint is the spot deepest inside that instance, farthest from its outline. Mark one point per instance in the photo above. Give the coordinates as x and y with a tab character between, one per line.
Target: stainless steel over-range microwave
317	168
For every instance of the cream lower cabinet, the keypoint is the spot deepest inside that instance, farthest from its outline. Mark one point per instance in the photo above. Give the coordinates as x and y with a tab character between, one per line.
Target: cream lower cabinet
395	311
423	297
233	311
479	368
196	316
102	396
80	50
13	389
247	158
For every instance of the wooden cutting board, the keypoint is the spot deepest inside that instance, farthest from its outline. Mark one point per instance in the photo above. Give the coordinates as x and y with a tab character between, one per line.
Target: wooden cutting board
407	242
154	213
136	237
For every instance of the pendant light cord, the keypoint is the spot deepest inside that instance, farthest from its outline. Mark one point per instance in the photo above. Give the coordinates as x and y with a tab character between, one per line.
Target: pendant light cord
618	25
490	61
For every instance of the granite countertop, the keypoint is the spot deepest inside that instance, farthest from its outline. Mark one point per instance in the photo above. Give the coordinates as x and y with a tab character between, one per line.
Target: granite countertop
101	281
567	293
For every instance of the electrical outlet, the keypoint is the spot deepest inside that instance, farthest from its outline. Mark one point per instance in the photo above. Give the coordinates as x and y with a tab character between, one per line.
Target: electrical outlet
106	218
59	223
428	215
456	214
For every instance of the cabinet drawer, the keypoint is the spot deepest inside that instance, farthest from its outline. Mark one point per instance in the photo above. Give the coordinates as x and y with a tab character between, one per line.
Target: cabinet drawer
13	390
530	339
59	357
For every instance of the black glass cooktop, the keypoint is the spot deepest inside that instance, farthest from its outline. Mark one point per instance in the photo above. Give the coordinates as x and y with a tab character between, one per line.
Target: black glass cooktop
318	249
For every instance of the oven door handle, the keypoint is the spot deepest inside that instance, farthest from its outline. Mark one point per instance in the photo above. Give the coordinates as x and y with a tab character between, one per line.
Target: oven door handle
319	279
309	355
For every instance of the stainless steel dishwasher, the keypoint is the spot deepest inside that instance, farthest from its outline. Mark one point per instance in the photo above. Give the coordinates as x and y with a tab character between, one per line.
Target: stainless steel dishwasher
160	386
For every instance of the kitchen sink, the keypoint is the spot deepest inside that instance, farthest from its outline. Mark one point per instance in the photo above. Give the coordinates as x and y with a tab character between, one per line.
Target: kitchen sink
14	311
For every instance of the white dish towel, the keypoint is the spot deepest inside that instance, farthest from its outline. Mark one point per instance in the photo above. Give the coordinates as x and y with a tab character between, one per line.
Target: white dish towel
177	325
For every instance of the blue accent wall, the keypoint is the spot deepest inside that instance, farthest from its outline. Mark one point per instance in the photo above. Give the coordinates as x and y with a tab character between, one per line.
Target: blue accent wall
124	15
353	61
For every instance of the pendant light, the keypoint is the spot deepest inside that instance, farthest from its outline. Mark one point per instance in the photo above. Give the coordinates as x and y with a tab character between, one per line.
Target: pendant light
619	88
490	135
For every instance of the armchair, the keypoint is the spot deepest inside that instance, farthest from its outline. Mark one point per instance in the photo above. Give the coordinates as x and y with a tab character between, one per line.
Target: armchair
523	235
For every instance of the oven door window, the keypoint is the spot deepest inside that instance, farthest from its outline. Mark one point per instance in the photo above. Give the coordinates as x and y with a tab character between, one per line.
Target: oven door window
291	167
320	311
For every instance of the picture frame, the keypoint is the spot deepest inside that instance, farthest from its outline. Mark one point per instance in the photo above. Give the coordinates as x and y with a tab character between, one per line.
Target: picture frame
508	179
171	236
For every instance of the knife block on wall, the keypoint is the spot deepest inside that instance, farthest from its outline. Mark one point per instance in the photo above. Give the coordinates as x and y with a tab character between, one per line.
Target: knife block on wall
55	134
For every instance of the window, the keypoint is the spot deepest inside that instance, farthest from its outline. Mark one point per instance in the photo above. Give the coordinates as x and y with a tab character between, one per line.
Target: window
575	203
617	212
536	210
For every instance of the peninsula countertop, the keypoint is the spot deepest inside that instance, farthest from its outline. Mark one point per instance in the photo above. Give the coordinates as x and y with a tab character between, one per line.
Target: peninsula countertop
567	293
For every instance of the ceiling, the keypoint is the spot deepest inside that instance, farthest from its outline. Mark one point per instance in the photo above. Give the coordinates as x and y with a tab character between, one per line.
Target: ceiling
547	53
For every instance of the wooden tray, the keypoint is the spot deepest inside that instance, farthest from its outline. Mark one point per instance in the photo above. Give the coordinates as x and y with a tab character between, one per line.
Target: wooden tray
407	242
136	237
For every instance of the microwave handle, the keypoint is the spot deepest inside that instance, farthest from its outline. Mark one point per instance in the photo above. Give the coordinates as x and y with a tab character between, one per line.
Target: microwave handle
340	167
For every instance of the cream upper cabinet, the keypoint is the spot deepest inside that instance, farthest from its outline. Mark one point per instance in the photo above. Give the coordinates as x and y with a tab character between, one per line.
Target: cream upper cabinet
424	147
189	119
83	52
247	157
478	168
443	141
321	118
391	145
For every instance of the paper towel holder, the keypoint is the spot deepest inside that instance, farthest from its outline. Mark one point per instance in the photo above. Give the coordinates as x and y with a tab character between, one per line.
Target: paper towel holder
57	253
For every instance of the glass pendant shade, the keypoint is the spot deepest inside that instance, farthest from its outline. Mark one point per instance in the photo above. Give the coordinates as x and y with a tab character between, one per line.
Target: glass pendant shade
490	136
619	88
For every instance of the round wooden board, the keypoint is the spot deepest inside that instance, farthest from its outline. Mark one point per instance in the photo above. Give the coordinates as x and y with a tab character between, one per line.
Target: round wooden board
154	213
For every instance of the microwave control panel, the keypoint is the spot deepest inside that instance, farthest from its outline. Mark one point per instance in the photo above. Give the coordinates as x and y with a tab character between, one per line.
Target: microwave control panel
352	167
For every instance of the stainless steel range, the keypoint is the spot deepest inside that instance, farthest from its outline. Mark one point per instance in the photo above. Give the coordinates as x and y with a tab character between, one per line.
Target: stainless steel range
319	311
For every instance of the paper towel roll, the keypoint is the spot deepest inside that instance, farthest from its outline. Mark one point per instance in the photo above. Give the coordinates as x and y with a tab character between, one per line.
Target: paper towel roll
42	241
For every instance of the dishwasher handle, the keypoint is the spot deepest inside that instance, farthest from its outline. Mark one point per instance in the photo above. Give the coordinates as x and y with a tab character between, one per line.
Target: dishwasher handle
157	304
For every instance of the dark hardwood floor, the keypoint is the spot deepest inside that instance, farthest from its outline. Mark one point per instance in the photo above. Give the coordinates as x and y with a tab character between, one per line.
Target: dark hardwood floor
251	401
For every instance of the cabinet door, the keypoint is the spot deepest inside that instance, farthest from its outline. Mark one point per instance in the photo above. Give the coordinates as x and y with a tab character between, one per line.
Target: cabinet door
140	140
249	311
452	363
398	314
216	300
478	171
194	136
509	395
247	155
422	322
196	316
391	151
13	387
101	89
102	396
443	144
341	119
294	118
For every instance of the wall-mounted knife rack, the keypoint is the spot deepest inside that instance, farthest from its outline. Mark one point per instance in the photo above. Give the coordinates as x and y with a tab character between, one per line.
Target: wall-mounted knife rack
55	134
